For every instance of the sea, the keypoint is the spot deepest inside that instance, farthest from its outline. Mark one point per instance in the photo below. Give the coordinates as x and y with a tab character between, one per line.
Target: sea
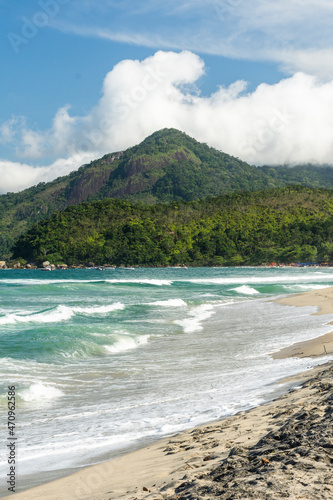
104	362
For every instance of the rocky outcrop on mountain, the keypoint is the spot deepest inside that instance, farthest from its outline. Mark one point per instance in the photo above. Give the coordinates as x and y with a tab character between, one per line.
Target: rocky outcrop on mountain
88	184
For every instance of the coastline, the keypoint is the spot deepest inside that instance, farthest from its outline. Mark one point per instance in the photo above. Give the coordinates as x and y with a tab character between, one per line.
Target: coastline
191	461
319	346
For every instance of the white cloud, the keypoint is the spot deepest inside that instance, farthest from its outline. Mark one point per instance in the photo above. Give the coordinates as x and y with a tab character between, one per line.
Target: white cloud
8	129
289	122
143	39
131	91
17	176
313	62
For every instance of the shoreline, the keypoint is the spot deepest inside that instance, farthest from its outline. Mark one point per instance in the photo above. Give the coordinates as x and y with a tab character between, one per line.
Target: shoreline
177	465
187	460
319	346
65	267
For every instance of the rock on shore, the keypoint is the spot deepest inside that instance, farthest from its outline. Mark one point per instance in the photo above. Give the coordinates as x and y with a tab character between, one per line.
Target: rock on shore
282	449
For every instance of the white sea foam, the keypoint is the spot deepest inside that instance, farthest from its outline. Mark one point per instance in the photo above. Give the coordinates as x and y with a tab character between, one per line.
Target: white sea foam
273	279
59	313
154	282
118	306
20	281
245	289
126	343
94	334
169	303
192	378
196	316
86	349
304	288
40	392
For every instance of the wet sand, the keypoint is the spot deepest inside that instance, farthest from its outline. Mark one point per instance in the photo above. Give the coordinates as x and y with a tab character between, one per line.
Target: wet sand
320	346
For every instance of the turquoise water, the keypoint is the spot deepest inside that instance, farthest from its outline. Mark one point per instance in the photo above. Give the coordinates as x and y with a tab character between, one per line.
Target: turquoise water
104	361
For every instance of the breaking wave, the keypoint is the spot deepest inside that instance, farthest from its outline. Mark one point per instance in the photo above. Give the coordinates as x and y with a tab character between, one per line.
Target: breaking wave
57	314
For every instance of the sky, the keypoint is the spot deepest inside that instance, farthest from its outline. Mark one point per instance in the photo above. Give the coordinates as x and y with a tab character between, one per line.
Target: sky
82	78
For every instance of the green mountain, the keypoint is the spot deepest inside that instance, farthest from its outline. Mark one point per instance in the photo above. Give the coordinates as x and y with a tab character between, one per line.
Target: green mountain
167	166
283	225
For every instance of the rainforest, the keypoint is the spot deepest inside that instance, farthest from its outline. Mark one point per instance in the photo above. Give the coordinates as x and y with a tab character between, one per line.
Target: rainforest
286	225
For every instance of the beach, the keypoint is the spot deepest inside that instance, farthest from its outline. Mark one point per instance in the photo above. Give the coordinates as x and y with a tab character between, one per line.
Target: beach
281	449
320	346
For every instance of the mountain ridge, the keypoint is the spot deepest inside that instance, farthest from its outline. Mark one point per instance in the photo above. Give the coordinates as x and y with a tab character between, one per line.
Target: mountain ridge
167	166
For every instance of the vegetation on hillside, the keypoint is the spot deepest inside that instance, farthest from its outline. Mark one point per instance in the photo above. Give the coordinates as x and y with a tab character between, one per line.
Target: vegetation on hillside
286	225
166	167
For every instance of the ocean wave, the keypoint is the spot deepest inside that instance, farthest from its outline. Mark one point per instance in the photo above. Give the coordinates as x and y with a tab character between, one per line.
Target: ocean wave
196	316
245	289
126	342
85	349
169	303
112	343
57	314
153	282
60	313
39	392
34	282
118	306
295	277
304	288
271	280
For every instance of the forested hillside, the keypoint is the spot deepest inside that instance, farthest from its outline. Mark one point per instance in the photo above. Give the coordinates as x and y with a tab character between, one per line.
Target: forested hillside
167	166
286	225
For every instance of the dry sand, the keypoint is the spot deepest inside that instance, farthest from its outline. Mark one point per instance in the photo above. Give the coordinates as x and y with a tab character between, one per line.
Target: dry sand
283	449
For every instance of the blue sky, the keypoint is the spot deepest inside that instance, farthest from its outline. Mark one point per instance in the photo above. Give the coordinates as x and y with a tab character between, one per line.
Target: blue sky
82	78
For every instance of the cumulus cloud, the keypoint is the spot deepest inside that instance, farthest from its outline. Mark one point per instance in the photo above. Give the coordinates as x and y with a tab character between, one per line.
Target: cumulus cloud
17	176
288	122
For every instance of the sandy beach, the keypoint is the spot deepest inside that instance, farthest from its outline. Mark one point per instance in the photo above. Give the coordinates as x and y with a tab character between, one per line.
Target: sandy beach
282	449
320	346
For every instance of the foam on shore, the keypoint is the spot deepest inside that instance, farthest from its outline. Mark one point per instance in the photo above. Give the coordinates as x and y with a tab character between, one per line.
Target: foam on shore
200	461
162	469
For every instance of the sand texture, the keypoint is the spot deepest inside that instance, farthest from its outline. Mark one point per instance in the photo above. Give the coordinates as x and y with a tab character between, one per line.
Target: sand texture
293	460
283	449
323	299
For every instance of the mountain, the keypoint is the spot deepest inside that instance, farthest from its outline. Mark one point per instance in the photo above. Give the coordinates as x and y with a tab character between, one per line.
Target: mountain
167	166
292	224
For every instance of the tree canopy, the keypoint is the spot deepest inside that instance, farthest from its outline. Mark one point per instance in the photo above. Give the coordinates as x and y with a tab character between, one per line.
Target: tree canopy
292	224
